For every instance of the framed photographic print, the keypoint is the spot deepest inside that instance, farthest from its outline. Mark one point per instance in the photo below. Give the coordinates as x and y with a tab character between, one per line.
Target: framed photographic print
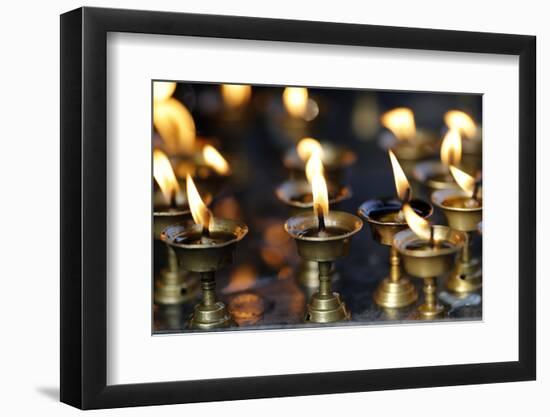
259	208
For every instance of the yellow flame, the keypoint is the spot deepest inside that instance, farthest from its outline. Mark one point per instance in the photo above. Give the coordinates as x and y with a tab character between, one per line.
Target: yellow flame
215	160
199	211
163	90
307	147
318	185
464	180
236	95
456	119
165	177
314	167
400	122
295	100
402	185
175	125
451	148
417	224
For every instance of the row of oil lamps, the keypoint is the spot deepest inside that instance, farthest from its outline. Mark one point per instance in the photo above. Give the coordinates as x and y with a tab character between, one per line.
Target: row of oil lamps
204	244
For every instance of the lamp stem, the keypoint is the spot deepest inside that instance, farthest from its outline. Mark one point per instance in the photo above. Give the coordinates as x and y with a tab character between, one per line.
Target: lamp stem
429	293
208	285
395	269
325	286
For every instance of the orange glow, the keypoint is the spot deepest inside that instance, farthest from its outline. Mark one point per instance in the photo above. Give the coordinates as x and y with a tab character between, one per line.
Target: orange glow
165	178
175	125
163	90
236	95
464	180
295	100
451	148
308	146
418	224
215	160
400	122
402	185
318	185
199	211
456	119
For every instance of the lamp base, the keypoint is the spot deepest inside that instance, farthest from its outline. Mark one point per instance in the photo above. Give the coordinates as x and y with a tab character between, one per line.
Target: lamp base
428	312
466	277
326	309
213	316
175	287
395	294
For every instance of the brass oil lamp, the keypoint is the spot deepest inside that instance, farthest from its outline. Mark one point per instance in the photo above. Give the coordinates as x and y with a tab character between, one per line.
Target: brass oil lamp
464	211
428	252
336	160
204	246
386	219
297	196
408	143
173	285
322	236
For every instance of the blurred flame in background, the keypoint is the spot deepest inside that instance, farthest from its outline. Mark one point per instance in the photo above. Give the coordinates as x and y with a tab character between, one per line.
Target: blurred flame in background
172	120
215	160
236	95
461	121
400	122
165	178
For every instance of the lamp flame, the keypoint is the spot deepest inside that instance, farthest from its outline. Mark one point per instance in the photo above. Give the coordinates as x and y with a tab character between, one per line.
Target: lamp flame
417	224
173	122
295	100
461	121
215	160
163	90
200	213
314	173
400	122
464	180
165	178
451	148
307	147
314	167
402	185
236	95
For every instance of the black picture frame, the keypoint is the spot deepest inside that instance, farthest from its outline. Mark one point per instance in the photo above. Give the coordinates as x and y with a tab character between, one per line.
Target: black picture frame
84	207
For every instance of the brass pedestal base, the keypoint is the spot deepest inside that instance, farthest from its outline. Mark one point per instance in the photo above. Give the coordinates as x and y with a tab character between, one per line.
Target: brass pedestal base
395	291
431	309
466	277
326	306
210	313
395	294
175	287
206	317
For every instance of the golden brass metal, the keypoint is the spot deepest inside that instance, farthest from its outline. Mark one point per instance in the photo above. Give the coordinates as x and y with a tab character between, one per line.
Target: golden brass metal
429	263
325	306
206	259
396	290
467	275
290	193
173	285
336	161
